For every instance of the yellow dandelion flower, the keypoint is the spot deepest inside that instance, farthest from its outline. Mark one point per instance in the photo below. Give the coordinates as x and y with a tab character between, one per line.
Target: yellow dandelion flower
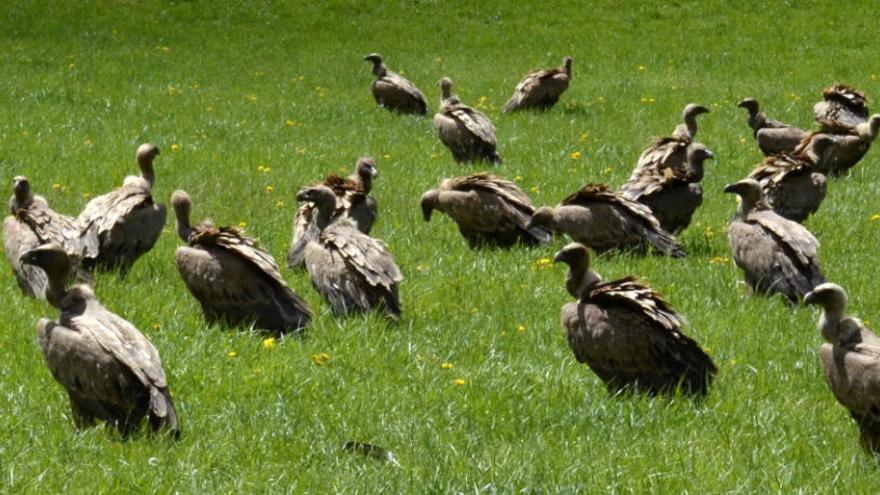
575	155
25	133
459	381
232	354
733	361
175	147
157	326
719	260
302	151
709	233
269	343
71	66
259	73
165	49
446	366
521	328
533	189
251	98
607	170
279	204
86	195
290	122
387	157
320	359
742	140
584	136
642	68
674	87
209	109
517	178
601	99
56	186
874	217
439	60
270	189
242	224
473	311
171	90
87	142
875	77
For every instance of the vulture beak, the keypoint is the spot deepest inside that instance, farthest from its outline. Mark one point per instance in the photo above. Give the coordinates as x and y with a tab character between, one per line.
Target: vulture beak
374	171
304	195
710	155
811	298
732	188
560	256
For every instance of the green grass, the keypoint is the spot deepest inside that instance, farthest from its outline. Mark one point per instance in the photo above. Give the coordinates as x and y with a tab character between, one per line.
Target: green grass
226	87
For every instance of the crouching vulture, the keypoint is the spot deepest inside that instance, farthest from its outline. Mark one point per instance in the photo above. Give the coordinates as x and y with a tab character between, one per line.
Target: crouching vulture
127	221
628	334
672	152
352	271
776	255
234	281
850	359
489	210
672	192
467	132
540	88
353	201
395	92
32	224
110	370
603	219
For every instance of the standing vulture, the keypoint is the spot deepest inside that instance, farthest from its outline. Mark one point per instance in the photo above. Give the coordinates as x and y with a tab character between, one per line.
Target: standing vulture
850	359
127	221
603	219
351	270
674	193
488	209
352	201
541	88
32	224
757	119
628	334
847	149
776	254
235	281
842	109
671	152
394	91
687	130
791	183
467	132
110	370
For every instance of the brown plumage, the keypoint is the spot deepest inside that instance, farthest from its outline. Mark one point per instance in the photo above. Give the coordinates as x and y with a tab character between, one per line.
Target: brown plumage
603	219
127	221
777	140
843	108
235	281
32	224
792	184
757	119
489	210
540	88
353	202
467	132
351	270
110	370
628	334
395	92
672	193
671	152
776	255
846	149
850	360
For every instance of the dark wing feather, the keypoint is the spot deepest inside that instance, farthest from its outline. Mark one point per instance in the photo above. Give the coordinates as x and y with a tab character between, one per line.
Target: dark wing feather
842	110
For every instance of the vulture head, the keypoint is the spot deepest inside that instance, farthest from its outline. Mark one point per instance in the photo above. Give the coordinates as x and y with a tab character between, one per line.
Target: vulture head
690	113
580	277
832	298
146	153
429	202
872	126
749	192
445	85
59	268
749	104
697	154
22	195
182	205
542	217
366	168
324	200
374	57
566	65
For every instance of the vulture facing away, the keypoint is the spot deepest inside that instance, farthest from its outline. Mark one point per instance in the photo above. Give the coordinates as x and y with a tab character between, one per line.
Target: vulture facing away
850	359
395	92
110	370
33	224
792	184
541	88
846	149
467	132
352	201
841	110
488	209
671	152
234	281
775	254
351	270
757	119
628	334
603	219
127	221
672	193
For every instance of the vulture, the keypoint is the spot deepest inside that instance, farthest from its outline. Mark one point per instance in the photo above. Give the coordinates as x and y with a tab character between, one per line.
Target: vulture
671	152
395	92
847	149
489	210
352	201
775	140
674	193
688	129
776	254
351	270
841	110
235	281
541	88
792	184
32	224
850	360
110	370
628	334
603	219
127	221
467	132
757	119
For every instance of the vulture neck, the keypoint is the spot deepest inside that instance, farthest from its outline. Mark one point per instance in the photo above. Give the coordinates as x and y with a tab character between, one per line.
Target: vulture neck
868	130
379	69
745	207
147	171
56	290
366	181
581	279
829	325
184	228
324	215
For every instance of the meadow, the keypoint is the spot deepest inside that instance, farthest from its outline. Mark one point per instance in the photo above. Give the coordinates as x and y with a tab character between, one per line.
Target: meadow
475	390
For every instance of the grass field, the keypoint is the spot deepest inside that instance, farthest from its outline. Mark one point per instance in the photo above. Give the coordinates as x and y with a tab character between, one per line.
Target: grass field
249	101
